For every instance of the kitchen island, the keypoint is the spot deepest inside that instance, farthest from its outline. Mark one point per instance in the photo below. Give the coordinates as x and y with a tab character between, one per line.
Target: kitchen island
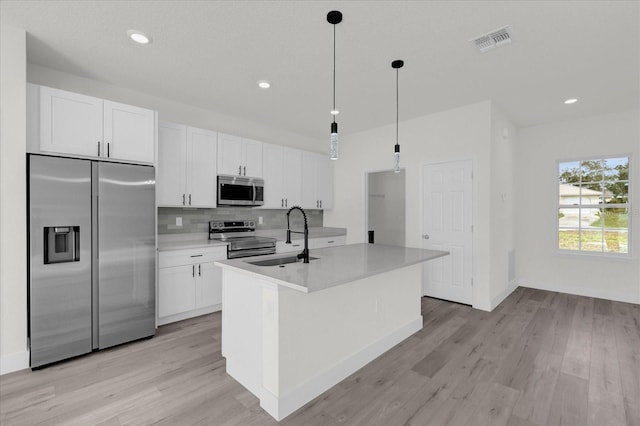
292	331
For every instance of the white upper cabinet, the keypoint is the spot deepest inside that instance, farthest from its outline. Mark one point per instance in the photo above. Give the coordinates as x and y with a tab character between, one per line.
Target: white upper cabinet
70	123
186	172
128	132
75	124
282	173
239	156
317	181
201	167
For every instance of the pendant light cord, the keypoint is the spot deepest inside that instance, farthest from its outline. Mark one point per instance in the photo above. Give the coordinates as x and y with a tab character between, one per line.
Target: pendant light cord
397	105
334	71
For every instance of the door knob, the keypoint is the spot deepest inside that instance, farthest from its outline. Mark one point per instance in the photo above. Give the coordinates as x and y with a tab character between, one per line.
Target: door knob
425	236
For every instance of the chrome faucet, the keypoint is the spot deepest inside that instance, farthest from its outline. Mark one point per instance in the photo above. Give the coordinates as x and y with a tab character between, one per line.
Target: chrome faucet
305	253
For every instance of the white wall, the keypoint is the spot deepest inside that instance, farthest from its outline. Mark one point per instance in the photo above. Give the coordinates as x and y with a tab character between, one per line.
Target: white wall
539	265
169	110
13	216
461	133
503	213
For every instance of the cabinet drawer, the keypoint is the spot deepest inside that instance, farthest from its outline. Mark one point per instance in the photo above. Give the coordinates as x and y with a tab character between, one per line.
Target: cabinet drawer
295	246
327	242
167	259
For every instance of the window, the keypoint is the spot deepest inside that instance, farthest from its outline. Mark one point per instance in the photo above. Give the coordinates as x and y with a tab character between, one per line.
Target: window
593	205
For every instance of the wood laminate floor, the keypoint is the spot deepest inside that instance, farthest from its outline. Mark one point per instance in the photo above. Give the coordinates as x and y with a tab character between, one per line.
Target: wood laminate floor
540	358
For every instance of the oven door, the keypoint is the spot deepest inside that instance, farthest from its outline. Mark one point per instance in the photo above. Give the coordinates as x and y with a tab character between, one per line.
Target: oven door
240	191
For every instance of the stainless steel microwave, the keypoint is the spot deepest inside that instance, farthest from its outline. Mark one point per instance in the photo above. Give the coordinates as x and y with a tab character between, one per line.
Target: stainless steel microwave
240	191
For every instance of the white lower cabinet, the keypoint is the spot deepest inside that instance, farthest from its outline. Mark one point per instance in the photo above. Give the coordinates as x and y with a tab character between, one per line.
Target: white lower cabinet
189	284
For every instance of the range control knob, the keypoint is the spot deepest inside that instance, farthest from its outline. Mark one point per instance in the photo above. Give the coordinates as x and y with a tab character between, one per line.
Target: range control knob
252	224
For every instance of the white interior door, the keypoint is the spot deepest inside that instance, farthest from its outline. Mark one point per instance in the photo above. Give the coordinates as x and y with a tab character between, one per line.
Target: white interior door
447	225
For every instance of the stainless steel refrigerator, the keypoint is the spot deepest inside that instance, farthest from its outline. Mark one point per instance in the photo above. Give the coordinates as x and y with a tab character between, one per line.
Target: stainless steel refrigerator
91	256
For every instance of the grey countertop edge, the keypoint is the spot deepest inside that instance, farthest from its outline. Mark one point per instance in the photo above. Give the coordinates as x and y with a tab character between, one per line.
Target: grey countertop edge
182	242
240	266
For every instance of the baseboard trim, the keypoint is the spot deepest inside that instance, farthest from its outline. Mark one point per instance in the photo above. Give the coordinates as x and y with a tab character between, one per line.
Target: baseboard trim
186	315
14	362
503	295
281	407
579	291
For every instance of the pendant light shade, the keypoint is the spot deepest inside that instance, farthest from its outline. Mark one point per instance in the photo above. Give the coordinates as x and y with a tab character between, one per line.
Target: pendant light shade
334	17
397	64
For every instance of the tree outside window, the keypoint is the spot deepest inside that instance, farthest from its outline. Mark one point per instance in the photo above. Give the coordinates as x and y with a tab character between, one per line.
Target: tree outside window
593	205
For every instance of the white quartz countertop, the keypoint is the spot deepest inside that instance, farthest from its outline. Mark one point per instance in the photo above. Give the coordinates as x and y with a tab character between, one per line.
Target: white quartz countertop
333	266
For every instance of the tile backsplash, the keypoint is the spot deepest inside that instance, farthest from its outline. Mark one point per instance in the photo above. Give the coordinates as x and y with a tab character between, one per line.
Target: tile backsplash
197	220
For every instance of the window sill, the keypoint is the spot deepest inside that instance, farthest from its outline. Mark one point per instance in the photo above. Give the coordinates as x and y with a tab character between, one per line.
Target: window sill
623	258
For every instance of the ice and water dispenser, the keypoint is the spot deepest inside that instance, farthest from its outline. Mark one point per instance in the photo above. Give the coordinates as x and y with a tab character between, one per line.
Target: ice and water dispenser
61	244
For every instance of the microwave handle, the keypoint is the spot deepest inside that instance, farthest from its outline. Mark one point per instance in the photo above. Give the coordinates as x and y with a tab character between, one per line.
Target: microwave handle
254	192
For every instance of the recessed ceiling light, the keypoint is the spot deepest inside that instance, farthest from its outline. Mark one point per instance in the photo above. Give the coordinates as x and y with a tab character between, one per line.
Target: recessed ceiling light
264	84
335	112
139	37
571	101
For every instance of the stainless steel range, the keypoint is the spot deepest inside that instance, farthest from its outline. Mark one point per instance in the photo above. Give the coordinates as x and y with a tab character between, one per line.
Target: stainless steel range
242	239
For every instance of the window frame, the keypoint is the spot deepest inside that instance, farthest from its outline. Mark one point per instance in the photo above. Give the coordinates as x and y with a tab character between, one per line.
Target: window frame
599	254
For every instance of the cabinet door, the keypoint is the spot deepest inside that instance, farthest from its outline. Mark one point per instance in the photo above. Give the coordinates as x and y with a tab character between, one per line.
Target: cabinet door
210	278
170	173
252	156
292	179
176	290
128	132
229	154
201	167
70	123
310	199
273	175
325	182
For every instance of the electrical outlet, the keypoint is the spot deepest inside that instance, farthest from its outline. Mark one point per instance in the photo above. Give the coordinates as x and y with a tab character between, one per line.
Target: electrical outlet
259	220
178	221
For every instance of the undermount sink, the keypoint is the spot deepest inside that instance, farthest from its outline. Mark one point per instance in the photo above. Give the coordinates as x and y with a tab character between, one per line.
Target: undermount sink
280	261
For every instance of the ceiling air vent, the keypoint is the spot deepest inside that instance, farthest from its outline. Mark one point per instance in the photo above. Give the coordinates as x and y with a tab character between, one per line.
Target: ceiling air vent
496	38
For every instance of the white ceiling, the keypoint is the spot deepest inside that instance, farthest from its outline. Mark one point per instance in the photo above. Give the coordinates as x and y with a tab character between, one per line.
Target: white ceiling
210	54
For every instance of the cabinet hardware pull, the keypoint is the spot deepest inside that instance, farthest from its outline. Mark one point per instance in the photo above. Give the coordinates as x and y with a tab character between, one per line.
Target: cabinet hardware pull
317	204
320	203
196	255
193	270
245	170
199	271
286	202
295	245
98	148
240	170
189	199
183	199
108	155
330	242
282	202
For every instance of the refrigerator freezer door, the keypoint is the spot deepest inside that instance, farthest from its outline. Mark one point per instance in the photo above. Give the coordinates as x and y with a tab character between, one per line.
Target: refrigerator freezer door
126	253
59	291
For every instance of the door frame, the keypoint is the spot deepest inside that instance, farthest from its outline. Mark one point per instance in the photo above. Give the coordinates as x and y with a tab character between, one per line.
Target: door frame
474	216
365	202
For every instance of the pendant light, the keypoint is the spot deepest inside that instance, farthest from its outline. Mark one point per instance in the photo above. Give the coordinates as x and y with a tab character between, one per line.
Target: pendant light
334	17
397	64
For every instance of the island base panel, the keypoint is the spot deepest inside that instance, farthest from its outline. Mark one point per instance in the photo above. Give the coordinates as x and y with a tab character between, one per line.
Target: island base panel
287	346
